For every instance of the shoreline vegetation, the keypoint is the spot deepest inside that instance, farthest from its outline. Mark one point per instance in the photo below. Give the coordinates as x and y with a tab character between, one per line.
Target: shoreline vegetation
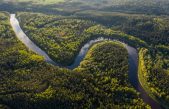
69	41
142	75
100	32
29	81
61	28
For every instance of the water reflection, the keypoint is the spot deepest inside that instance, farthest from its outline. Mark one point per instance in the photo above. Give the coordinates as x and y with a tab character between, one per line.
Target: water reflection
133	58
22	37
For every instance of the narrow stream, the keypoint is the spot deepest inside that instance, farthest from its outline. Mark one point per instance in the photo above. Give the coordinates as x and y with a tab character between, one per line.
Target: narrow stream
133	59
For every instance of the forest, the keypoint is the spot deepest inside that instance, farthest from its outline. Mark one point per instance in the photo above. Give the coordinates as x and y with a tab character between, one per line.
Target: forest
28	82
70	7
62	37
139	31
101	81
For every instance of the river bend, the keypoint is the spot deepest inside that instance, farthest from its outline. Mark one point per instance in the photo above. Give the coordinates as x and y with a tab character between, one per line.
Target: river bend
132	53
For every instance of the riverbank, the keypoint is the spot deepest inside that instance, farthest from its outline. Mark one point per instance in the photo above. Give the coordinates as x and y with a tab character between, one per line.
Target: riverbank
133	58
142	72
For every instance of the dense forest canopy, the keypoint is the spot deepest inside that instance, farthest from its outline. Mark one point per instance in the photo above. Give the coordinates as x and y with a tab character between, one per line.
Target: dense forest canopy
150	32
61	28
157	7
27	82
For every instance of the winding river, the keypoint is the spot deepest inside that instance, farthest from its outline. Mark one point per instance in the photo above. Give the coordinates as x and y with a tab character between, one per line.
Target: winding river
133	58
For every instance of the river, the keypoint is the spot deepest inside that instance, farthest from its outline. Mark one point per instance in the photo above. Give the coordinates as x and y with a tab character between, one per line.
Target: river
133	58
